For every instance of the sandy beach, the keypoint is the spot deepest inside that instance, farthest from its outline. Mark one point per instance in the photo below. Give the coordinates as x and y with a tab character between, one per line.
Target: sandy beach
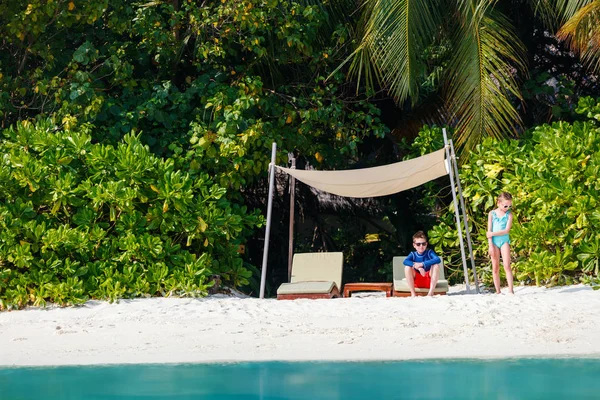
540	322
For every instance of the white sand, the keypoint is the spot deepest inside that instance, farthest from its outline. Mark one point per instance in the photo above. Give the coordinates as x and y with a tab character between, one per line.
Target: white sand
562	321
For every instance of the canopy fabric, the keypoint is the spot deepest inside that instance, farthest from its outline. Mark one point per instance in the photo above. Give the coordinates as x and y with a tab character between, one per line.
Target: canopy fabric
376	181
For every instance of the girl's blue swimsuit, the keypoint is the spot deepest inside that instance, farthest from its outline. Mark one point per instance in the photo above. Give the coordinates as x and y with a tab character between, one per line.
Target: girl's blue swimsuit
499	224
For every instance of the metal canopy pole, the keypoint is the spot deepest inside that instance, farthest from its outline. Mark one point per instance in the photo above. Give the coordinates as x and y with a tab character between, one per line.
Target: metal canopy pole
464	214
291	232
455	200
263	274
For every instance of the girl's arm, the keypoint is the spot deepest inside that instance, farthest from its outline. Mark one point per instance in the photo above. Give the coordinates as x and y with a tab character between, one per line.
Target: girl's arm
508	223
505	230
489	229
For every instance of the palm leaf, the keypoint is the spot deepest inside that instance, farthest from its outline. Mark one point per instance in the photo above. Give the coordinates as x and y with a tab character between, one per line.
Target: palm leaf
483	84
548	11
582	33
362	67
556	11
568	8
394	36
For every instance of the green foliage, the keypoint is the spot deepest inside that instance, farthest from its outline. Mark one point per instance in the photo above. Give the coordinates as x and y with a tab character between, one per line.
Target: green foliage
553	178
80	220
554	98
182	101
477	79
232	77
428	140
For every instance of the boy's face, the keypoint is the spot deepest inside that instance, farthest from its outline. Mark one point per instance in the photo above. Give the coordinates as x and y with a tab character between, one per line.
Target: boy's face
420	245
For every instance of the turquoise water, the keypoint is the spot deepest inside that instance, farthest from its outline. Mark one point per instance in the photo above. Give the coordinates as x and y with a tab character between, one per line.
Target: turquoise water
444	379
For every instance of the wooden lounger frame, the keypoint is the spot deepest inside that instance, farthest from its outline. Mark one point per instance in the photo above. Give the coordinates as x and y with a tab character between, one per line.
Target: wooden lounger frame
331	295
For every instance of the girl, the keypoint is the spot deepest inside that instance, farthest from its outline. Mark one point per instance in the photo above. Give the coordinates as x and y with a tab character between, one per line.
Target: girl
499	224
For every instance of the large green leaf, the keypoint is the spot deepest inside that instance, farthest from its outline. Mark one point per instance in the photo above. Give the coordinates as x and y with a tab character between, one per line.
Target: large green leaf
395	35
582	31
483	87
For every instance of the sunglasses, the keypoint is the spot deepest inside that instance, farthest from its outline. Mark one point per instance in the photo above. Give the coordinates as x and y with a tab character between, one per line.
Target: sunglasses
506	206
420	243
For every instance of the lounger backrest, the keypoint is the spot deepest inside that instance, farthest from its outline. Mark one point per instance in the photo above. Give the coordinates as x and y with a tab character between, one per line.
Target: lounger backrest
397	263
318	267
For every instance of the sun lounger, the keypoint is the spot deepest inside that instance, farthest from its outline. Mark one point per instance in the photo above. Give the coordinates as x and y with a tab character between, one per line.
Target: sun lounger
401	288
314	276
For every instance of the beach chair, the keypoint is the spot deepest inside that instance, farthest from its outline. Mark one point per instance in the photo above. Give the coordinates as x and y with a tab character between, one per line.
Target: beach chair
401	288
314	276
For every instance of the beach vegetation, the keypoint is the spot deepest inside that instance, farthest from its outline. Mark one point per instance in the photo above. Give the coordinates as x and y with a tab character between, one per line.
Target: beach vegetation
81	220
552	173
136	136
137	139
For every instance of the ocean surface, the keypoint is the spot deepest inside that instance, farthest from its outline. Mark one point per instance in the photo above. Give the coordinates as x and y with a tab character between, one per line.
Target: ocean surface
549	378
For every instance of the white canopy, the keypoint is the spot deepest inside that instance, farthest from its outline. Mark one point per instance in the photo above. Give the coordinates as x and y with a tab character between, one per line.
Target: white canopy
376	181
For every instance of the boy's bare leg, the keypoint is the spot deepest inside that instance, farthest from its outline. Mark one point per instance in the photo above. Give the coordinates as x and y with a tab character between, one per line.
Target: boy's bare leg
495	256
434	273
505	250
410	279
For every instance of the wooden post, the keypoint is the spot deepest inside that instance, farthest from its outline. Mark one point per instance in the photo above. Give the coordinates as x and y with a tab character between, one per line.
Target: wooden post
292	208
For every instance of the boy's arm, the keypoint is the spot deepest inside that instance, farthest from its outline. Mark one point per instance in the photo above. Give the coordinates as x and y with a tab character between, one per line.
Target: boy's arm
409	260
433	259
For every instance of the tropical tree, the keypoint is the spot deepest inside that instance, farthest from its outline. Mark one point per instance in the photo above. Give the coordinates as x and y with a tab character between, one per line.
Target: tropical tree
582	30
469	51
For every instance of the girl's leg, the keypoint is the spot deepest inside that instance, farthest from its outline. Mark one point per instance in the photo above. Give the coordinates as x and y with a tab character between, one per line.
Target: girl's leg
495	256
505	250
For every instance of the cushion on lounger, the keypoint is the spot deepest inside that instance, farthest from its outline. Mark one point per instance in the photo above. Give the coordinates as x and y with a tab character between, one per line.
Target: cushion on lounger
314	287
401	285
318	267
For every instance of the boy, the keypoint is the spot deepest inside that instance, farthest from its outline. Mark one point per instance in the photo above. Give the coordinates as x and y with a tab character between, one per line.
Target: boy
424	262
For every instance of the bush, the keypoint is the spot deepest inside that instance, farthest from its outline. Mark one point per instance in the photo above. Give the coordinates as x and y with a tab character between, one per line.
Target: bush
553	177
80	220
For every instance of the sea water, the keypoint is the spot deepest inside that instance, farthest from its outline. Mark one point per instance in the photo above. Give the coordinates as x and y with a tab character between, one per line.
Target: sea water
558	378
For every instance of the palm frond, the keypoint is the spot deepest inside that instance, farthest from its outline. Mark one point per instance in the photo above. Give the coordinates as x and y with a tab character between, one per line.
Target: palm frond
566	9
475	9
548	12
582	34
395	34
483	83
363	69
